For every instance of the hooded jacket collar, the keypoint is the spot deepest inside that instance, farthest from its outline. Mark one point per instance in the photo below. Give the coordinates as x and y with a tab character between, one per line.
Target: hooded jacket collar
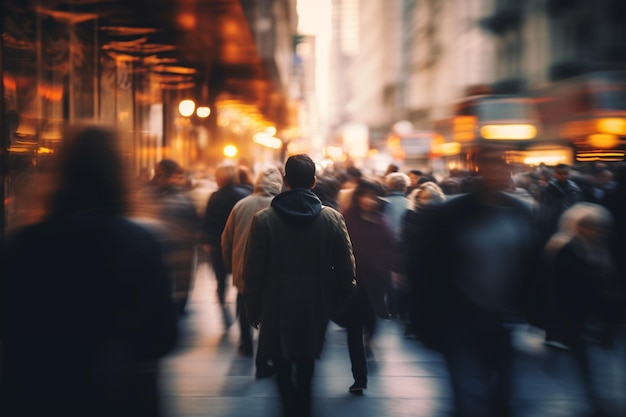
299	206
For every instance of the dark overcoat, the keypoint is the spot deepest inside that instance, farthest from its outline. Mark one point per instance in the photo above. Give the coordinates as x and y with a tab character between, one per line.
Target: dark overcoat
298	264
87	314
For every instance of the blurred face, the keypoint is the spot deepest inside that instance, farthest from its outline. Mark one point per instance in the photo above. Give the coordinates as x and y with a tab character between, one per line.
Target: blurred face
414	178
495	173
368	202
423	198
178	179
604	178
561	175
161	179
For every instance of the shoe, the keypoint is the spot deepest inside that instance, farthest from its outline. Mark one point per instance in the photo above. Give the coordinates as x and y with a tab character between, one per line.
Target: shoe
265	371
357	389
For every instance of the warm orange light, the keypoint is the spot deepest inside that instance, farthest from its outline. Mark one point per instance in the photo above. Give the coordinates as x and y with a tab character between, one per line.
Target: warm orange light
437	138
509	132
186	108
393	142
187	21
547	156
203	112
230	151
268	141
603	140
463	128
334	152
175	69
607	156
446	149
612	125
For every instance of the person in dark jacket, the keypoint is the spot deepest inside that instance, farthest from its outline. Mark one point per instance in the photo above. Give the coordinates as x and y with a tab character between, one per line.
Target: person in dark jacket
298	265
476	258
557	196
269	183
218	208
429	196
583	288
374	249
88	308
170	204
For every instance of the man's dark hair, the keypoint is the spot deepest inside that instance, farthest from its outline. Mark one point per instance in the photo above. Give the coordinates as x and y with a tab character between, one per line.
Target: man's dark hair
168	167
300	171
354	172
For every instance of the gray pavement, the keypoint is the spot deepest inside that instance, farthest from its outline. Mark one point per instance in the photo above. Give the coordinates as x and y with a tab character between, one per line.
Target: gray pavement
206	377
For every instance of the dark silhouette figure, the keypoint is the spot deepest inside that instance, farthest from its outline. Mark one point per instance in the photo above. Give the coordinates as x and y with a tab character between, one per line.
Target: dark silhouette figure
298	264
218	208
170	204
88	303
374	247
557	196
582	288
476	259
234	238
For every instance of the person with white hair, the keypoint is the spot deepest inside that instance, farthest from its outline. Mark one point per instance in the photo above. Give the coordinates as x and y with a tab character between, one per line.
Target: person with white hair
397	203
582	286
268	184
396	184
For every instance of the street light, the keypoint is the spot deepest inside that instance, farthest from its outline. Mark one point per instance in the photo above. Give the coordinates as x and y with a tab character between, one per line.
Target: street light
186	108
203	112
230	151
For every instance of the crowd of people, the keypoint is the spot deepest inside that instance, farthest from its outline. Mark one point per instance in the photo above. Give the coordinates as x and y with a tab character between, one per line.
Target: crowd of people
456	260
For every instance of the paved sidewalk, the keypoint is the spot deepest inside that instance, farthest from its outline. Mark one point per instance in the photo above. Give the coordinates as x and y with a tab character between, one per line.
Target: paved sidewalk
206	377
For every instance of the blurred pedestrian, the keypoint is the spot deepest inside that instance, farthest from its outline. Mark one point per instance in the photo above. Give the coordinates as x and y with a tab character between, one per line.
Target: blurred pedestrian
615	201
327	190
169	203
353	176
218	208
88	302
429	196
391	168
298	265
476	260
246	178
396	185
374	254
268	184
583	288
557	196
414	180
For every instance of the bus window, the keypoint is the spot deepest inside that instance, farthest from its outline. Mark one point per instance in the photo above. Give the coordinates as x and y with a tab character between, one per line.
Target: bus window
504	109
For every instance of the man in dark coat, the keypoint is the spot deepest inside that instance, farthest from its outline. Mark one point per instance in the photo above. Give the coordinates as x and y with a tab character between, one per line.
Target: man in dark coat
298	264
476	258
86	299
218	208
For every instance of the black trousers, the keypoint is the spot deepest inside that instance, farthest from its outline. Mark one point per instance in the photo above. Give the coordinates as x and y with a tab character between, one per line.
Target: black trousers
217	262
294	384
478	351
